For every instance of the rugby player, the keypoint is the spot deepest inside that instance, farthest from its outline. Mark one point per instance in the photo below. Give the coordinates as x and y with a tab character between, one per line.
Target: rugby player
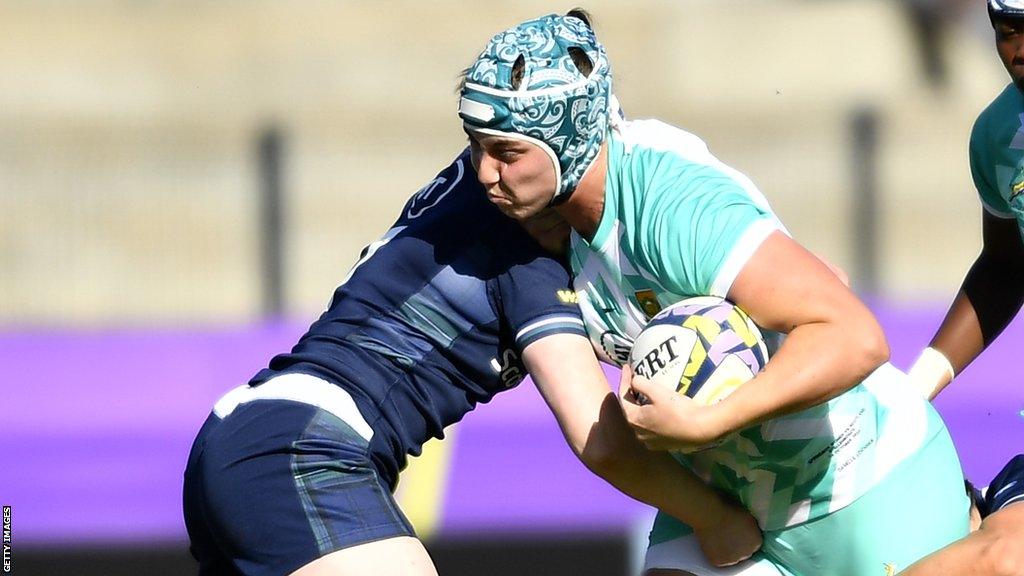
844	466
293	473
993	290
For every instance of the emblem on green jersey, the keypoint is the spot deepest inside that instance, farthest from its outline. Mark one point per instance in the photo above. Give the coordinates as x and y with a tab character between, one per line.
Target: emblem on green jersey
648	302
1017	187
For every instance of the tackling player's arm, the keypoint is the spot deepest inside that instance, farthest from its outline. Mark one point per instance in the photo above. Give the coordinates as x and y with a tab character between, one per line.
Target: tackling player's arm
994	550
561	360
991	295
566	372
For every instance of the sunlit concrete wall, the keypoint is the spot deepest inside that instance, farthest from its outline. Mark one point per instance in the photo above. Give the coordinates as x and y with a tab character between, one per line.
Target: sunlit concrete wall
128	183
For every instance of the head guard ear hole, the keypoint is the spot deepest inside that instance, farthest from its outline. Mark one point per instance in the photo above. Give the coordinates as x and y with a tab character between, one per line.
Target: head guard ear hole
581	60
518	68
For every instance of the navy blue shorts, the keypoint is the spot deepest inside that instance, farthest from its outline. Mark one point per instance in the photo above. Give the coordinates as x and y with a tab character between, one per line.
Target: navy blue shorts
277	484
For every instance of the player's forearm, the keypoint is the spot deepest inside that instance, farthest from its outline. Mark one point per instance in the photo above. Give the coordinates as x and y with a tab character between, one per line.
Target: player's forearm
989	298
980	554
991	295
817	362
959	338
662	483
652	477
957	559
572	383
603	441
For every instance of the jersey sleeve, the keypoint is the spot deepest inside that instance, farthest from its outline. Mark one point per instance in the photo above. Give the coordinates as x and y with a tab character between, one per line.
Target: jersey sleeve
536	300
1007	487
704	235
982	172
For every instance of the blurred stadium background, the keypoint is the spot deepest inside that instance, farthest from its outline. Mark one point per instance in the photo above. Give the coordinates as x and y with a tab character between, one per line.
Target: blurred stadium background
183	184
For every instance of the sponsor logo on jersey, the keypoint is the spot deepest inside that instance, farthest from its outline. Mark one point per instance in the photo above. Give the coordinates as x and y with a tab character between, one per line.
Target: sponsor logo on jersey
890	569
568	297
648	302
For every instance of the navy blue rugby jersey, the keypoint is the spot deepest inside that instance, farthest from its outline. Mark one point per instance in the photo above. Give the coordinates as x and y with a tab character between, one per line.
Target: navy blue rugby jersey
1007	487
434	316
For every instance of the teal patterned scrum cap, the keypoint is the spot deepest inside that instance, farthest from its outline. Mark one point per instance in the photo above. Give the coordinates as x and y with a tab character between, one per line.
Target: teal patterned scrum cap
555	107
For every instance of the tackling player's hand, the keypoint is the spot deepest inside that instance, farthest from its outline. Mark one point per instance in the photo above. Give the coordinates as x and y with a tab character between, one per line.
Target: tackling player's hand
663	419
731	536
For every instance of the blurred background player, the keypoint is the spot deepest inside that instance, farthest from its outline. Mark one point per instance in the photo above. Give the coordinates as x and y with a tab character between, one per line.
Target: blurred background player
842	461
992	293
996	544
294	472
989	298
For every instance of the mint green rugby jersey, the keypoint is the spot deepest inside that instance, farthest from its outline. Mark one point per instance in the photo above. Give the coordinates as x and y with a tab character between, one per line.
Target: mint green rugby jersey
997	156
676	223
679	223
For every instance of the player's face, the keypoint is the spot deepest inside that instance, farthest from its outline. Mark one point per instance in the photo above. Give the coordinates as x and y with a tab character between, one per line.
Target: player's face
1010	45
517	175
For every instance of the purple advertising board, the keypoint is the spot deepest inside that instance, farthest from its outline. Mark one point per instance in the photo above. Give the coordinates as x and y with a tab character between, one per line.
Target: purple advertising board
97	426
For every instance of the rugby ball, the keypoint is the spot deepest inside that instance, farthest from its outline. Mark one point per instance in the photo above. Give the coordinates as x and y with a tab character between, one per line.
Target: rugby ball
704	347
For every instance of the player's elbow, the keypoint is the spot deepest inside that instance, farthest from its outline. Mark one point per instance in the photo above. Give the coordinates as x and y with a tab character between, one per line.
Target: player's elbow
876	347
599	456
868	347
611	451
608	444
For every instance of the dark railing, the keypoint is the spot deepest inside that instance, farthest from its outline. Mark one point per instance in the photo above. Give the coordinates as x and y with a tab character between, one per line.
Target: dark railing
864	235
270	158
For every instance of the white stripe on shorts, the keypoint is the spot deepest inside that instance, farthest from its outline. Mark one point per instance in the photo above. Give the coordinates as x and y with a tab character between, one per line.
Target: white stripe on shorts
299	388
